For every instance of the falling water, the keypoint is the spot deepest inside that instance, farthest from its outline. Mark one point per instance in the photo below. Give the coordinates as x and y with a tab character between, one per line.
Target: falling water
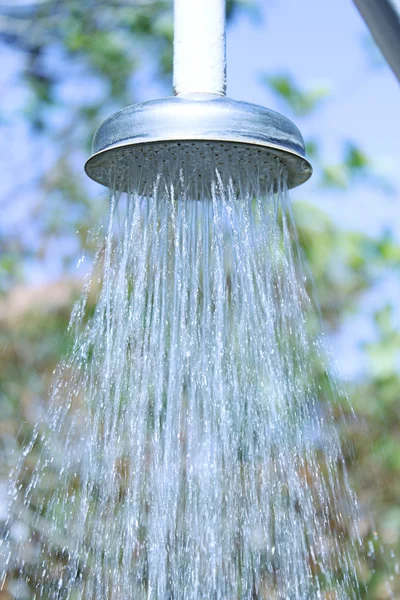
193	452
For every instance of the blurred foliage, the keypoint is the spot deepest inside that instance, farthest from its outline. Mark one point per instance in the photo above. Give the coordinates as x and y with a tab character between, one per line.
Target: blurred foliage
299	101
108	44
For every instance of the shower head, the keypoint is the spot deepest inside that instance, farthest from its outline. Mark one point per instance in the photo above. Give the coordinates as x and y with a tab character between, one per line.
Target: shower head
185	128
199	124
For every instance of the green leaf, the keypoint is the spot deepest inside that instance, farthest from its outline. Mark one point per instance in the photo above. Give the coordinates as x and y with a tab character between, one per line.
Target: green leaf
299	101
312	148
335	176
355	159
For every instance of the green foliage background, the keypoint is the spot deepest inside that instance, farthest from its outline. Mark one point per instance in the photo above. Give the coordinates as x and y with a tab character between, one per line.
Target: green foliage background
108	43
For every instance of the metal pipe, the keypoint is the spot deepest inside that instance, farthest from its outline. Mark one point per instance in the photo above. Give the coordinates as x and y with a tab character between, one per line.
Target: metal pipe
199	47
382	18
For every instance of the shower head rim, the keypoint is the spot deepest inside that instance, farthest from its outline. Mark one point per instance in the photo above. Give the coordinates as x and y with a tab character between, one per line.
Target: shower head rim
203	119
279	150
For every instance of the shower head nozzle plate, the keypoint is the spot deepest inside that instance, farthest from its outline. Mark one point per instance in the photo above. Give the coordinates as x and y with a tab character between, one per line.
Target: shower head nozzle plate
181	130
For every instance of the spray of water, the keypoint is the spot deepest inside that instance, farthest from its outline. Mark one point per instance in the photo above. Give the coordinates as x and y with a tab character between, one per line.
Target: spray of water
193	454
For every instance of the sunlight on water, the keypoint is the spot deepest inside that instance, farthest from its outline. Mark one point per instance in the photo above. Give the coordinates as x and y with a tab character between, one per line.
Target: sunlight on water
193	453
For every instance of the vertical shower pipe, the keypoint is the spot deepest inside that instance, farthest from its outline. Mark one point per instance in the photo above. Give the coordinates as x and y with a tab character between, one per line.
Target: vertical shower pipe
382	17
199	47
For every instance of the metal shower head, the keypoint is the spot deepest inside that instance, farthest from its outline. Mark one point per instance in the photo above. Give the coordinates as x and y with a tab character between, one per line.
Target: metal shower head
179	128
199	121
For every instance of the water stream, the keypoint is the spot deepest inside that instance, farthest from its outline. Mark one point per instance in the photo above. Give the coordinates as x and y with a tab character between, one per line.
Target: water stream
194	454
